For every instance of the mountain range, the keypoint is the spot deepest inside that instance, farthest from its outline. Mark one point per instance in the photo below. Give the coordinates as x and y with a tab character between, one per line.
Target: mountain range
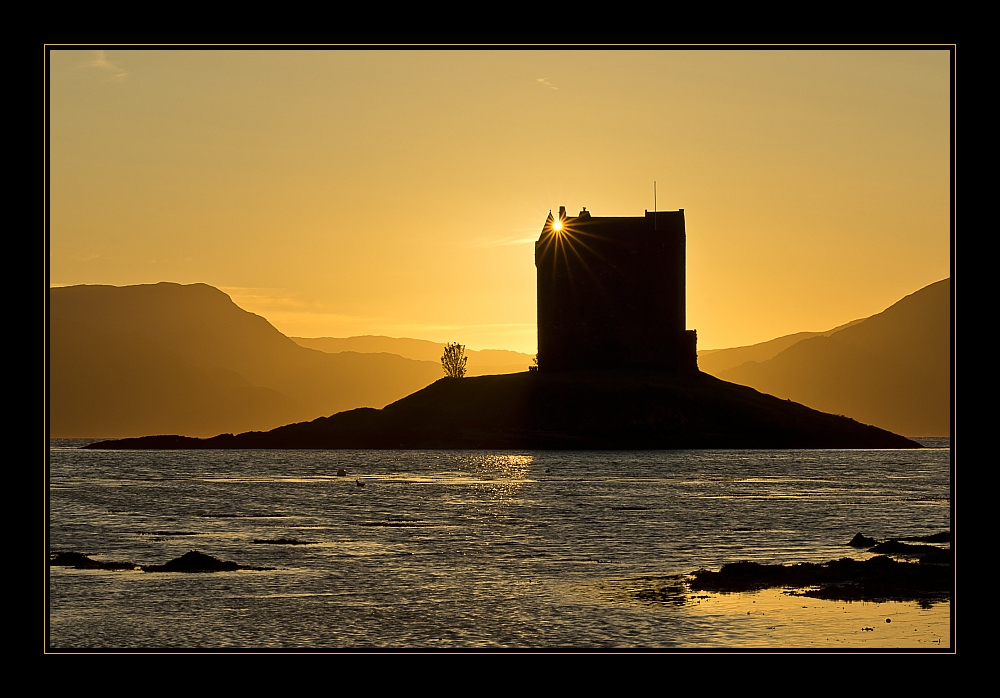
485	362
892	370
167	358
184	359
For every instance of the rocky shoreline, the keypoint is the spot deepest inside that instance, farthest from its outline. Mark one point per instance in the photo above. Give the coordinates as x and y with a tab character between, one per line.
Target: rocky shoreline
924	574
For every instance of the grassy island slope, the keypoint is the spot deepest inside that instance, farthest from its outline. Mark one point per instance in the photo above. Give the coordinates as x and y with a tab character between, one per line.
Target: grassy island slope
571	410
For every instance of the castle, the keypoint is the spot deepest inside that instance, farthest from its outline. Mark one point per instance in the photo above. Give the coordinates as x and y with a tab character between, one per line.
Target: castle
611	293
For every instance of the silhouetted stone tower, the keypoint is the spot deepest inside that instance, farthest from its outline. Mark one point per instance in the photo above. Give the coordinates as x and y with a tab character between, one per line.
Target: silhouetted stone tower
611	293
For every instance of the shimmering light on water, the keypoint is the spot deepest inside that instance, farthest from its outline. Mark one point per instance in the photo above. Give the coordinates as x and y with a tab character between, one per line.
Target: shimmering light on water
478	549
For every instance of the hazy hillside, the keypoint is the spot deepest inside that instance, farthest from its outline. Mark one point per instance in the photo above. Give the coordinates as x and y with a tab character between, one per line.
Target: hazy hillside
716	360
891	370
123	383
169	358
481	363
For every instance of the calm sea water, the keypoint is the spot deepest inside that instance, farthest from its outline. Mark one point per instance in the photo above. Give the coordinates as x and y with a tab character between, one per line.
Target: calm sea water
428	549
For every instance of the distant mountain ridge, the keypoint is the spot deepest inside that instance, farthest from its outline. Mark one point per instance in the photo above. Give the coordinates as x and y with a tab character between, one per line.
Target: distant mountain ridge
715	360
892	370
481	363
184	359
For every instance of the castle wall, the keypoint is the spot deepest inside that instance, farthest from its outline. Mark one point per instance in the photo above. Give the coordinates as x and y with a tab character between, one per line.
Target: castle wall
611	293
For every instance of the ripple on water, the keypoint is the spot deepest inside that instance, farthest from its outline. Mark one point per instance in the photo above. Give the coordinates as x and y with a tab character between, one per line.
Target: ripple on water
473	548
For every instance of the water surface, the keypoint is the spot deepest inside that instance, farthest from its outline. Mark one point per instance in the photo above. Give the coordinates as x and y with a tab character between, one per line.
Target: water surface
478	548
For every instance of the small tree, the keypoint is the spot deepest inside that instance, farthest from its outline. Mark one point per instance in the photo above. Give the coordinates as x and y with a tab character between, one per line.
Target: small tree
453	360
534	364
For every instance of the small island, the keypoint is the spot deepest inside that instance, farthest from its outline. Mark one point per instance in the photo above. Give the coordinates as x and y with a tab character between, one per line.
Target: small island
616	369
612	409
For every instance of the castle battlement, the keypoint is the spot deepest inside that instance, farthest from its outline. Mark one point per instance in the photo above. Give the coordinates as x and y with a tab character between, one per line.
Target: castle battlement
611	292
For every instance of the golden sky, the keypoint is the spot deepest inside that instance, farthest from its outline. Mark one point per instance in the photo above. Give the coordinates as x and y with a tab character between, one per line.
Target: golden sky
339	193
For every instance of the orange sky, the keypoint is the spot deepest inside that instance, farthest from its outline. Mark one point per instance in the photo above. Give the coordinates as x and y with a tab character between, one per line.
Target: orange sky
398	192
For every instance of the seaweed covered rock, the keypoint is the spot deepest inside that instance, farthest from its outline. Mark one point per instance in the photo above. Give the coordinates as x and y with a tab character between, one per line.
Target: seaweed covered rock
195	561
877	579
82	562
862	541
894	547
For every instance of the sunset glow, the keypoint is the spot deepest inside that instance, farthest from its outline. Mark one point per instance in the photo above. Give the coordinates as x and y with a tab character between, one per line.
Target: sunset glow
330	191
445	350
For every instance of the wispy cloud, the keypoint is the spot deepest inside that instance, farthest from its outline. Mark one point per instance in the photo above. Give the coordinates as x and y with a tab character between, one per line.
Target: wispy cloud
101	62
266	297
504	242
544	82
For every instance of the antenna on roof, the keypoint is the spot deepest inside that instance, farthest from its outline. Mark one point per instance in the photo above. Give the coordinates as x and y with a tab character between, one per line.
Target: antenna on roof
654	204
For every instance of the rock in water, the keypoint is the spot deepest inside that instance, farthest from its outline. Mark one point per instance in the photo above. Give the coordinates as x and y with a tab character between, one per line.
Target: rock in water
195	561
862	541
82	562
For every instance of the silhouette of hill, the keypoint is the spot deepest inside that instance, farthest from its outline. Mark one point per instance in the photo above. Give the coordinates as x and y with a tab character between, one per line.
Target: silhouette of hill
167	358
481	363
891	370
105	382
417	349
716	360
576	410
171	358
